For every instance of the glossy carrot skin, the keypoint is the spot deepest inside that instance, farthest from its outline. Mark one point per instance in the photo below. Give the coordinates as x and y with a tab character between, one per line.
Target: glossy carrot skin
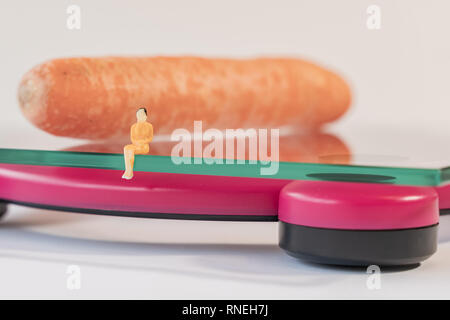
96	98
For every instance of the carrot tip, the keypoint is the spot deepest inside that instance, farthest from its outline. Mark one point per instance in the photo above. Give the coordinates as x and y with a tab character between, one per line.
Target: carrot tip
26	92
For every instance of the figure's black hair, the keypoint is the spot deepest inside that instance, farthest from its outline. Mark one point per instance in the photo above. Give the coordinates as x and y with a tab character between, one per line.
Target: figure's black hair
145	110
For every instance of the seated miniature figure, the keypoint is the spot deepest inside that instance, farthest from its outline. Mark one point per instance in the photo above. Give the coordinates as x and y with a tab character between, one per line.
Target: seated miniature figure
141	135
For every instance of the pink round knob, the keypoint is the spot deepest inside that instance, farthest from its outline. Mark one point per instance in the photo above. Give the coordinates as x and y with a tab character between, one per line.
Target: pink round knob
358	223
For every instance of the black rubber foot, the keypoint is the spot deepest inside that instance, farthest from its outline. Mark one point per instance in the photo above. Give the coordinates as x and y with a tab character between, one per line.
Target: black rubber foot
359	247
3	208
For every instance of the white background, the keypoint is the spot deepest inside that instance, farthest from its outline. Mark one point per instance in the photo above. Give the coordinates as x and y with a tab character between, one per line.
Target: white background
399	75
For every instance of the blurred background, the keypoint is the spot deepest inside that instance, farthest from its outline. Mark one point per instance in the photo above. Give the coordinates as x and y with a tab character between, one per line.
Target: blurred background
398	72
399	76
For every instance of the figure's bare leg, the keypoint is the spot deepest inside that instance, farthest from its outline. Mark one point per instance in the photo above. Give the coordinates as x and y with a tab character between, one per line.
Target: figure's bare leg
128	153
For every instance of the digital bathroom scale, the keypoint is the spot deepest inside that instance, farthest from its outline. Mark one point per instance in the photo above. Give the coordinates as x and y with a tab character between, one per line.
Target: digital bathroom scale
356	203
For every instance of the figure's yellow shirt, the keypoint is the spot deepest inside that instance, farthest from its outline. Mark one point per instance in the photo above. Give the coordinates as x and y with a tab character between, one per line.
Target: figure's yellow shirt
141	132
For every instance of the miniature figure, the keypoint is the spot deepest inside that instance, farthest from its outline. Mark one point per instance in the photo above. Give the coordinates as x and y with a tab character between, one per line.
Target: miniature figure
141	134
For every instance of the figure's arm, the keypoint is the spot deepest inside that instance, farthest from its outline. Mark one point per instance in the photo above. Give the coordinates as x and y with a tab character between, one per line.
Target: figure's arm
150	134
134	135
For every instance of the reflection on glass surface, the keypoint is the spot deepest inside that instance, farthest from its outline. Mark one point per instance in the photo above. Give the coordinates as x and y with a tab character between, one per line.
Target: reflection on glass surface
303	156
313	147
360	146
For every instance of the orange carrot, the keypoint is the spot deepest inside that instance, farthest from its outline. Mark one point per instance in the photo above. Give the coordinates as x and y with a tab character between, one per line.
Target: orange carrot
97	98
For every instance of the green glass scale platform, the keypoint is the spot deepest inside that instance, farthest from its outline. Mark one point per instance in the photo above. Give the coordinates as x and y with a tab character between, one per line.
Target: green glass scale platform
385	156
